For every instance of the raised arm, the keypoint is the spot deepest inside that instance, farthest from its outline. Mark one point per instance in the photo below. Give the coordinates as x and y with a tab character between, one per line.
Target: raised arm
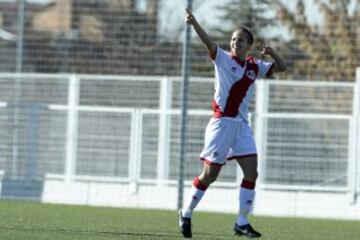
210	45
280	64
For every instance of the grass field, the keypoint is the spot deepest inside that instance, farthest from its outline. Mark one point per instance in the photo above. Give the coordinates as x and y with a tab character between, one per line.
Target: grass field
33	221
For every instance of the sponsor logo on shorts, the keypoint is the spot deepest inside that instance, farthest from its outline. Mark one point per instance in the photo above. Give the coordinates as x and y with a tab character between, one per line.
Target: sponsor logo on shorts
214	154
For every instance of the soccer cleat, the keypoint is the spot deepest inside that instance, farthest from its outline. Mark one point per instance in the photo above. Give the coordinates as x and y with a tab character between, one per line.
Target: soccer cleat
185	226
246	231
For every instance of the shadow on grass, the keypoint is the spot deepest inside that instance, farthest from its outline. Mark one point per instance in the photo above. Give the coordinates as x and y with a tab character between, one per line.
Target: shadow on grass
160	235
81	231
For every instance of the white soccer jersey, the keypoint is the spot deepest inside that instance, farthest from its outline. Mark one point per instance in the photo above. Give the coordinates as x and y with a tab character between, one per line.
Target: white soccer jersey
234	84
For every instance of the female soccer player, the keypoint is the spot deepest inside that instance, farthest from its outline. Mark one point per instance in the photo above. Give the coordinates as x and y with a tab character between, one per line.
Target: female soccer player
228	135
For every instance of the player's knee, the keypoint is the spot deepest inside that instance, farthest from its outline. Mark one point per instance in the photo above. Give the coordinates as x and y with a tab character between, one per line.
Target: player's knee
255	176
209	174
208	177
213	176
251	176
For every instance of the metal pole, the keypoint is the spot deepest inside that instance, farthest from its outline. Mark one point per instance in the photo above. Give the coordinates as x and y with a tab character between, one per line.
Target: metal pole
20	35
185	72
357	136
17	87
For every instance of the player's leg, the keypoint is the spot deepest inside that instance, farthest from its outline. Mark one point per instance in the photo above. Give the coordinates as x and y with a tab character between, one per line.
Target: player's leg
247	190
245	153
197	191
199	186
218	139
248	165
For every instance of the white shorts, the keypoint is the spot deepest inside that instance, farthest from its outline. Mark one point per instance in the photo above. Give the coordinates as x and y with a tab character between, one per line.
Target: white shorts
226	138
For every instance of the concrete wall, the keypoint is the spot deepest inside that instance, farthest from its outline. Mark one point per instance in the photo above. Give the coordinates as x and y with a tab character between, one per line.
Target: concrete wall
268	202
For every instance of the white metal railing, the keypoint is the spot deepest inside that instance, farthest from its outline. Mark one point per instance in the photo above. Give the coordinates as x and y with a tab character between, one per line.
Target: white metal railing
165	112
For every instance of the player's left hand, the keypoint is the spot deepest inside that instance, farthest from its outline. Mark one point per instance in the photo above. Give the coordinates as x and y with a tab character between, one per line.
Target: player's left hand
267	50
189	17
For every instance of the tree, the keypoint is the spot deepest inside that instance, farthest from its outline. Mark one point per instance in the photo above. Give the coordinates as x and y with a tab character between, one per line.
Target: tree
331	52
253	14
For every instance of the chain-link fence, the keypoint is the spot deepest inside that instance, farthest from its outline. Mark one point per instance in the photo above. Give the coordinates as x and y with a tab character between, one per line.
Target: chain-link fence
320	40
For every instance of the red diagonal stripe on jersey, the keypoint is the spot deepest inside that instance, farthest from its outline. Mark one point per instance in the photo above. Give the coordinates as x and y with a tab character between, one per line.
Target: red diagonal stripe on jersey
237	93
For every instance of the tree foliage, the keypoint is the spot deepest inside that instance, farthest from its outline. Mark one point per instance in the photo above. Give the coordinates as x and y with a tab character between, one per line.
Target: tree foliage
253	14
330	51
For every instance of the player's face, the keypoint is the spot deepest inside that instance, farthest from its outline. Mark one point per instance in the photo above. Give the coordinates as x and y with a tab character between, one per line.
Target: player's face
239	43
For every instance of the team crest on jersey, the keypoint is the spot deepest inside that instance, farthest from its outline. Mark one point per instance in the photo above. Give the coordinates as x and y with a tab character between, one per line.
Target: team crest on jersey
251	74
233	69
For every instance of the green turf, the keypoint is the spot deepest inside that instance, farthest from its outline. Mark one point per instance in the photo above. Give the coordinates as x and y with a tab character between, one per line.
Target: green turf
33	221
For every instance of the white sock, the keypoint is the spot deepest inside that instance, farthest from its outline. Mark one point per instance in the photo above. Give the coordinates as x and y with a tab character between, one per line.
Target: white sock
194	198
246	199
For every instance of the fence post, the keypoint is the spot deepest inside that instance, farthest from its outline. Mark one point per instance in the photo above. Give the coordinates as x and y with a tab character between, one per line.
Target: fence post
72	128
356	113
164	130
261	108
354	141
357	173
135	149
351	172
185	73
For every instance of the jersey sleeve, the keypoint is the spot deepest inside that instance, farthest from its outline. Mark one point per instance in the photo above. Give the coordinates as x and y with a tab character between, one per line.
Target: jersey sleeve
219	56
265	68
